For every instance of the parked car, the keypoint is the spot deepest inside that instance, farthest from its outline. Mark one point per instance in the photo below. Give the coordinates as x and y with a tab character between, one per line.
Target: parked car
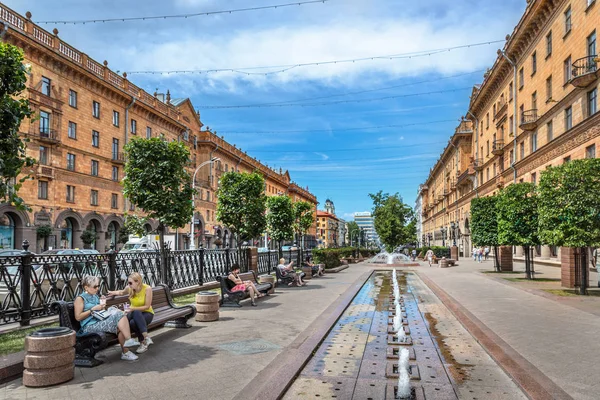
263	249
9	276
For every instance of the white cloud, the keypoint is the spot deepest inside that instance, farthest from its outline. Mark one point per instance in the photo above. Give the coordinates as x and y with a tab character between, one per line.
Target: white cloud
324	156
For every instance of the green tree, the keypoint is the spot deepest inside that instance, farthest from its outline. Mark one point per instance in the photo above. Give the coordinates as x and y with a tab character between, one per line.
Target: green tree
157	182
13	110
392	219
353	231
88	237
280	219
134	225
484	224
569	210
518	218
242	204
304	217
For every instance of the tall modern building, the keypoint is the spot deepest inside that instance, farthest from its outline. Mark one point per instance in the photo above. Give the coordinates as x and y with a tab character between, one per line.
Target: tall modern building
364	220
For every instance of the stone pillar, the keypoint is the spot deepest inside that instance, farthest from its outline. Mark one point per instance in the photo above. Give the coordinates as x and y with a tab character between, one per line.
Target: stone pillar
519	251
454	253
567	267
506	258
252	254
545	253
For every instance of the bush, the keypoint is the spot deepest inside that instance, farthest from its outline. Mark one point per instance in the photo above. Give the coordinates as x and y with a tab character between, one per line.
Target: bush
438	251
331	257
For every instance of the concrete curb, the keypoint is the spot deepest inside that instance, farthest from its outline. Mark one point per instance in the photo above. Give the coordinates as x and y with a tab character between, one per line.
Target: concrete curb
528	377
276	378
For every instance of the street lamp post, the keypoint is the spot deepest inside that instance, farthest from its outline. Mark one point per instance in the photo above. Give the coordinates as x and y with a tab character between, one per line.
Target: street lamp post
193	241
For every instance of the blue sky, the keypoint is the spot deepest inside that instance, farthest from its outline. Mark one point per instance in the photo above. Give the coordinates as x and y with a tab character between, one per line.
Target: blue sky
356	144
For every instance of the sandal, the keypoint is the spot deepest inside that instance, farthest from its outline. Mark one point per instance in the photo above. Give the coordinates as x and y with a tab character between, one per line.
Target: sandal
253	304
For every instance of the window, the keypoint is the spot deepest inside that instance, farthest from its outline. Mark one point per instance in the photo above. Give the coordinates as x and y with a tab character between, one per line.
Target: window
533	178
207	195
43	155
96	109
566	159
534	100
568	20
591	44
568	118
42	190
522	149
207	215
493	170
590	151
94	197
72	130
487	145
115	118
114	200
510	91
94	171
549	131
511	126
133	126
533	142
533	63
592	104
549	88
70	194
73	98
131	207
512	156
148	132
522	112
115	149
115	174
549	44
487	120
71	162
186	136
46	85
521	78
44	123
567	69
487	173
95	138
195	142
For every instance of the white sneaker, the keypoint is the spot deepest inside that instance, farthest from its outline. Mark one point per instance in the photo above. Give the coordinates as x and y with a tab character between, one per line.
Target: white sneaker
142	349
131	343
129	356
148	340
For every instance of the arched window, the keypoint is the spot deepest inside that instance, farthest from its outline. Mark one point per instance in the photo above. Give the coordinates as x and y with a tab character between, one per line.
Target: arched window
7	232
66	234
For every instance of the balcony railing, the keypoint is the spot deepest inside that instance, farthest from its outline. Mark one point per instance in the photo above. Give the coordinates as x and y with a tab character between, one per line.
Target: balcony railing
45	172
478	164
464	127
48	136
498	147
118	158
585	71
529	120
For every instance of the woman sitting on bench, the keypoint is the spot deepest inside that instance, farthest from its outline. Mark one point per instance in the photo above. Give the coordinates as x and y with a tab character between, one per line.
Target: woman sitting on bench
287	270
317	270
243	286
116	323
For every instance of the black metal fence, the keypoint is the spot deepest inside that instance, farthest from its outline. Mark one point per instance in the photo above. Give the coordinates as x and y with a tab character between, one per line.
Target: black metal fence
30	283
270	259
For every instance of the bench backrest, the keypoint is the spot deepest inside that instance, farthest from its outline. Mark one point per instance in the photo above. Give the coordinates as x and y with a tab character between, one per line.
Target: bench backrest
244	276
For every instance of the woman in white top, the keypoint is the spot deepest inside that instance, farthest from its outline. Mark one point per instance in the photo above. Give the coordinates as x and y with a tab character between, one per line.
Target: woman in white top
429	256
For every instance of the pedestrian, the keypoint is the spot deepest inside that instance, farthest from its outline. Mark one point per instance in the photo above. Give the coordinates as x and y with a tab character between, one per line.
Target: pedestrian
429	256
474	253
414	254
288	270
479	254
487	252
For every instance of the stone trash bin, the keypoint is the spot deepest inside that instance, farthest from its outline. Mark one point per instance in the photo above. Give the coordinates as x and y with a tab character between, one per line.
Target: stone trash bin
308	273
268	279
49	357
207	306
443	262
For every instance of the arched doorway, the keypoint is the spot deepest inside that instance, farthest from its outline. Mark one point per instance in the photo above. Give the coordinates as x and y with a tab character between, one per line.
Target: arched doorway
7	232
93	228
112	233
66	233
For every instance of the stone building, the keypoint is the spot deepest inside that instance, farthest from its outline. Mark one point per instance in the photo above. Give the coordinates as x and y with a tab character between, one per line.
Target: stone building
86	113
537	106
328	229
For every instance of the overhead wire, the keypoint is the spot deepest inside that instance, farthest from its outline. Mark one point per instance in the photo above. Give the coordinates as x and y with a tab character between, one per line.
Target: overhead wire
190	15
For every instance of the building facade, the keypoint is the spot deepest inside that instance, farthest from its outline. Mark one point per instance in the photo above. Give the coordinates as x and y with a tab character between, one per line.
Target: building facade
537	106
419	217
364	220
85	114
342	232
327	230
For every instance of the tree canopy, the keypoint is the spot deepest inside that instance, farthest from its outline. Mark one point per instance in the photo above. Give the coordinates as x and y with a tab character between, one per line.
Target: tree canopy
242	204
304	217
280	218
484	221
518	215
13	110
157	182
569	204
353	232
392	220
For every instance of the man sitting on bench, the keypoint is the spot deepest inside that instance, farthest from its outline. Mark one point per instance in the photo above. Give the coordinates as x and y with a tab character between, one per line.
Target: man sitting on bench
243	286
287	270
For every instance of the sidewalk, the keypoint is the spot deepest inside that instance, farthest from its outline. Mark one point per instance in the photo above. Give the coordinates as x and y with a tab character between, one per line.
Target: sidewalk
556	335
210	360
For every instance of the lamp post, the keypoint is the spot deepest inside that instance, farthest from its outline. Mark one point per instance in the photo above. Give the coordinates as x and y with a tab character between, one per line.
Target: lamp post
193	241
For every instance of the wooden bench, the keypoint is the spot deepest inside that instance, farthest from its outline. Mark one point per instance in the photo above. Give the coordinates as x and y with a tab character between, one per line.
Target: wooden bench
87	345
232	299
286	280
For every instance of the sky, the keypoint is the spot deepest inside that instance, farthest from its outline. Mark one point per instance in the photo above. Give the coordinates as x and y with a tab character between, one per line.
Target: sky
344	129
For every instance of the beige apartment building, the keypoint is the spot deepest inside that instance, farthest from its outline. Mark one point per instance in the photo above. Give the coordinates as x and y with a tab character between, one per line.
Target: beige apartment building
85	114
537	106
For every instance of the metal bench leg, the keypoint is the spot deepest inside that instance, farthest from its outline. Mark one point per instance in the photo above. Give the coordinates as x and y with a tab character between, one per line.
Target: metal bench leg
86	349
180	322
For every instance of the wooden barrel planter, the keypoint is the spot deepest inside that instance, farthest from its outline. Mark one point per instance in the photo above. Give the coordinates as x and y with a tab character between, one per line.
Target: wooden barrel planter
49	357
268	279
207	306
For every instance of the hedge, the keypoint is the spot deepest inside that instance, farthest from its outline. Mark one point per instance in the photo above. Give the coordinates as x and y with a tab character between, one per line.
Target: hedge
439	251
332	257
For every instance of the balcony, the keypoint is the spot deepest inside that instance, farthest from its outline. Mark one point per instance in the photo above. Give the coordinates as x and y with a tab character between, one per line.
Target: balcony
423	188
585	71
498	147
440	197
45	172
453	185
446	192
500	110
499	181
49	136
529	120
478	164
118	158
464	127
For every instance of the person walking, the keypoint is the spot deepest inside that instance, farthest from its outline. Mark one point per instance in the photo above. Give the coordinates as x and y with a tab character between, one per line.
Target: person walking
486	252
414	254
479	254
429	256
474	253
